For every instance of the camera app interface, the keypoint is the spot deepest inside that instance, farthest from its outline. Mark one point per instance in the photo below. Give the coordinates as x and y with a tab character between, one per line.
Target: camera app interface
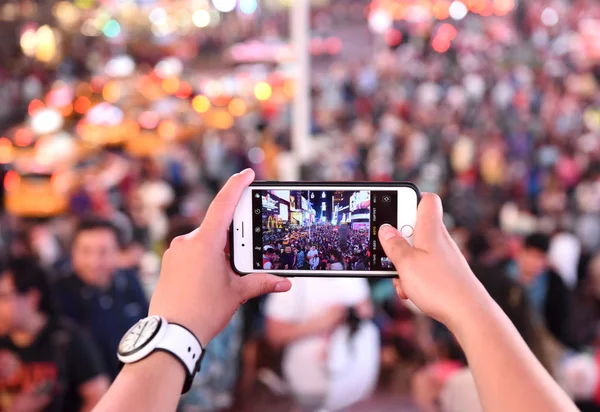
321	229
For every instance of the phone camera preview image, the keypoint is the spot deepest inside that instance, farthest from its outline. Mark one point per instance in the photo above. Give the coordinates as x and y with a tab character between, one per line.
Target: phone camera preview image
316	230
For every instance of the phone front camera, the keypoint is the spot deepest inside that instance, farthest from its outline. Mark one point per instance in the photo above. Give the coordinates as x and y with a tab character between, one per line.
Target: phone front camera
243	245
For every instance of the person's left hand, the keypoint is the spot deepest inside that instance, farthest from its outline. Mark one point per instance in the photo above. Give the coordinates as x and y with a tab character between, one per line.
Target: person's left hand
197	287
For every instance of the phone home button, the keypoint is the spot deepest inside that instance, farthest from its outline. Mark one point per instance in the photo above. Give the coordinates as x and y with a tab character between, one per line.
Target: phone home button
406	230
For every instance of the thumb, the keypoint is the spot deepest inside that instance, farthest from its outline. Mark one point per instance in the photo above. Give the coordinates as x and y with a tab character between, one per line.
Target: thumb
430	215
258	284
395	246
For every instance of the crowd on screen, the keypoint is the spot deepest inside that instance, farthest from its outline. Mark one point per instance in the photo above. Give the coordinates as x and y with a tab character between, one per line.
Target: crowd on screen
504	126
318	247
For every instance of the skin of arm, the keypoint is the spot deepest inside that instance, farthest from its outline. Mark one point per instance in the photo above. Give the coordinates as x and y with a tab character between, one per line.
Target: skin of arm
435	276
153	384
507	374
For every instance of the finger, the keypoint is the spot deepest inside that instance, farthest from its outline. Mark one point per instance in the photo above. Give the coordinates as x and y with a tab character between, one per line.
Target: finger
399	289
430	223
394	244
220	213
258	284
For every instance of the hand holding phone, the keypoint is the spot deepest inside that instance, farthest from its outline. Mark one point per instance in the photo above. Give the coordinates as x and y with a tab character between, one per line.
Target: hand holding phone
319	229
433	274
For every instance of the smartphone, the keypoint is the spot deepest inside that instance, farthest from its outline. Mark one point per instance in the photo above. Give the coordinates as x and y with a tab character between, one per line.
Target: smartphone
319	229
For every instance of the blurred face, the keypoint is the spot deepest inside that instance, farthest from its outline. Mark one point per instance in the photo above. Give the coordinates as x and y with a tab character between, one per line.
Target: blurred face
95	256
14	308
531	262
288	250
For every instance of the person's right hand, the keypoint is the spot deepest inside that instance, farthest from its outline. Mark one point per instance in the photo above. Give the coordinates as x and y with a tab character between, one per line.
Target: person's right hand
330	319
433	274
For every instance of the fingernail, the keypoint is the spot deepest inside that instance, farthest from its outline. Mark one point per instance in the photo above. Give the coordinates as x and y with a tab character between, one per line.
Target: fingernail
386	232
281	286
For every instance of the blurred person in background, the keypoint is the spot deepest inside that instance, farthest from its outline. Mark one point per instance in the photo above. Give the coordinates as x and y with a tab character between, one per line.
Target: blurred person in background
546	292
97	295
321	324
46	363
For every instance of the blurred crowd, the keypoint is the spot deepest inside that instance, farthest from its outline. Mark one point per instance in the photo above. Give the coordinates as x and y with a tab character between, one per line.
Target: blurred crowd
504	125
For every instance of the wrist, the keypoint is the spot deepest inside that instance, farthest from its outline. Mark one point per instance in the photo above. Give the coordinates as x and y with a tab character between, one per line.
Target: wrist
473	315
161	363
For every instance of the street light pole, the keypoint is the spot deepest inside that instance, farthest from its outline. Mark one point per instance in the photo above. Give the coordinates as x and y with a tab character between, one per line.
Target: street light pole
300	34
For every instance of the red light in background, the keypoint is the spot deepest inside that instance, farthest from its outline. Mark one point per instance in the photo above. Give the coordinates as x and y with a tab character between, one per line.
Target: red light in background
447	32
440	44
185	90
393	37
34	106
23	137
333	45
97	84
11	181
82	105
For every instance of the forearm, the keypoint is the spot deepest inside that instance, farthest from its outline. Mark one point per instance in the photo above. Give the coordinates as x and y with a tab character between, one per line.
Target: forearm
507	374
153	384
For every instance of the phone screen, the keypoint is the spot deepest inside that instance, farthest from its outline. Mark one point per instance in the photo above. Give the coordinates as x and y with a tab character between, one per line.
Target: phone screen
321	229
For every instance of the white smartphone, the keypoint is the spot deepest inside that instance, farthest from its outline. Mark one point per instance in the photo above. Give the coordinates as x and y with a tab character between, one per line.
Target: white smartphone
319	229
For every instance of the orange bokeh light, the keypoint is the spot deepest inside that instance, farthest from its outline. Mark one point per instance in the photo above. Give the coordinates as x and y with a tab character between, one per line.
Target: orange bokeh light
171	85
6	151
111	92
440	9
477	6
167	129
237	107
488	10
82	105
289	88
67	110
503	7
201	104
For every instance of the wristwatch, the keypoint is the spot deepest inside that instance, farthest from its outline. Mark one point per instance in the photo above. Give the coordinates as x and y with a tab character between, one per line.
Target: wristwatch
154	333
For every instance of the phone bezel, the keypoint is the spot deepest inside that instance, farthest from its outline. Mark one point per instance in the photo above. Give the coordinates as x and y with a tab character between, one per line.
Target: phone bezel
334	185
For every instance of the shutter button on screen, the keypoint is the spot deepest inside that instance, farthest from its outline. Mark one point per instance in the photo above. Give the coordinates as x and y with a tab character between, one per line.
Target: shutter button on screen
406	230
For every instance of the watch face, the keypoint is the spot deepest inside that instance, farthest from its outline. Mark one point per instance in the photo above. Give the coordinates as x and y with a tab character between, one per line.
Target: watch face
139	335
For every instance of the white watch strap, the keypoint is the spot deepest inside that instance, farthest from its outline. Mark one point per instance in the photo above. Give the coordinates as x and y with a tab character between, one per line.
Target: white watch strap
183	344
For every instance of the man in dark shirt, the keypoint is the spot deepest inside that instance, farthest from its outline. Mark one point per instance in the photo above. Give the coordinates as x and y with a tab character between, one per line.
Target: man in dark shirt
98	296
288	259
548	296
46	364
